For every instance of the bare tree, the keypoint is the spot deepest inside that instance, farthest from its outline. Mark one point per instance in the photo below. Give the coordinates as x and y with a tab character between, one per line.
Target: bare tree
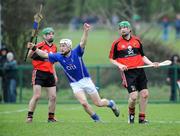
17	19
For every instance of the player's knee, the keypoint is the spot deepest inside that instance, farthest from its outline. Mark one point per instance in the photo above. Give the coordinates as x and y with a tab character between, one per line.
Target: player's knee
133	97
98	103
52	98
145	95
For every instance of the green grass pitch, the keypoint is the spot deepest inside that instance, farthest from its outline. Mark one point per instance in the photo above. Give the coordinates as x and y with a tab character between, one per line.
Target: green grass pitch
73	121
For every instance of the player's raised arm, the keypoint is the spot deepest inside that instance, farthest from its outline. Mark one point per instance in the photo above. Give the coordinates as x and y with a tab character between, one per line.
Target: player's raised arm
38	51
83	41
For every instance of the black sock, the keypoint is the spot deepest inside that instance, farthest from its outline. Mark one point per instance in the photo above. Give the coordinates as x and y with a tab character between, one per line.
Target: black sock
30	114
131	111
142	116
51	115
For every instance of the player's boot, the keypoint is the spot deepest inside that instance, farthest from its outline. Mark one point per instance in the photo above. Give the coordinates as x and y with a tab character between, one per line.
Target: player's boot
52	120
131	118
95	117
143	121
114	108
29	120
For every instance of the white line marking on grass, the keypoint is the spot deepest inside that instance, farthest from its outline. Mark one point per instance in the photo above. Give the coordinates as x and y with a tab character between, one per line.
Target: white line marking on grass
10	112
166	122
22	110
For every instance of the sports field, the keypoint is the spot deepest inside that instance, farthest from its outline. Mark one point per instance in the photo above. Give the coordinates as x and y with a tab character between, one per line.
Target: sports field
73	121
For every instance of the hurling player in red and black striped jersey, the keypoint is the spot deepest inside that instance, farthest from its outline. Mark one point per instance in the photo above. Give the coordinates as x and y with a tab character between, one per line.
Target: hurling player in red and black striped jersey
127	52
43	75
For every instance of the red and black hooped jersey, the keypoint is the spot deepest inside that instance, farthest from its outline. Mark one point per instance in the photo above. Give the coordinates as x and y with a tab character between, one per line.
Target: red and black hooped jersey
127	52
41	63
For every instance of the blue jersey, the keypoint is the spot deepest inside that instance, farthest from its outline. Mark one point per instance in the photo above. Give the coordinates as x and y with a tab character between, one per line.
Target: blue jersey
73	65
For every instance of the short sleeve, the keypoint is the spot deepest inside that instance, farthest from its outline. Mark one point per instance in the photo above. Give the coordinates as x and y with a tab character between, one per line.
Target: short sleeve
79	50
141	46
141	50
111	53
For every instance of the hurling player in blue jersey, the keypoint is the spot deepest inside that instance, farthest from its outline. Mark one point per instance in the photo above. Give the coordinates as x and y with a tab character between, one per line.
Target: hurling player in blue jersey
77	74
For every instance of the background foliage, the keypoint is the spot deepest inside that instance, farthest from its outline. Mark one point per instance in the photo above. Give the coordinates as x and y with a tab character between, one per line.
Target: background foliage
17	16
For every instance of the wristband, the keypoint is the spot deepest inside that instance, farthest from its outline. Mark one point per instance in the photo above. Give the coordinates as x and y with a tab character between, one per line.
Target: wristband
35	25
34	48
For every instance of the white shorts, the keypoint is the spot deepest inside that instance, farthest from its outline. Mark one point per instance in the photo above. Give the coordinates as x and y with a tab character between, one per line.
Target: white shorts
178	82
84	84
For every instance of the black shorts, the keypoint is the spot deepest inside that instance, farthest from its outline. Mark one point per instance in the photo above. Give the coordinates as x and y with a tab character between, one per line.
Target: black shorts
136	80
44	79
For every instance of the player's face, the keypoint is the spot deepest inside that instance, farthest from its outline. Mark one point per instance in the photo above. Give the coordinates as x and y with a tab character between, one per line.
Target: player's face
124	31
49	37
64	49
